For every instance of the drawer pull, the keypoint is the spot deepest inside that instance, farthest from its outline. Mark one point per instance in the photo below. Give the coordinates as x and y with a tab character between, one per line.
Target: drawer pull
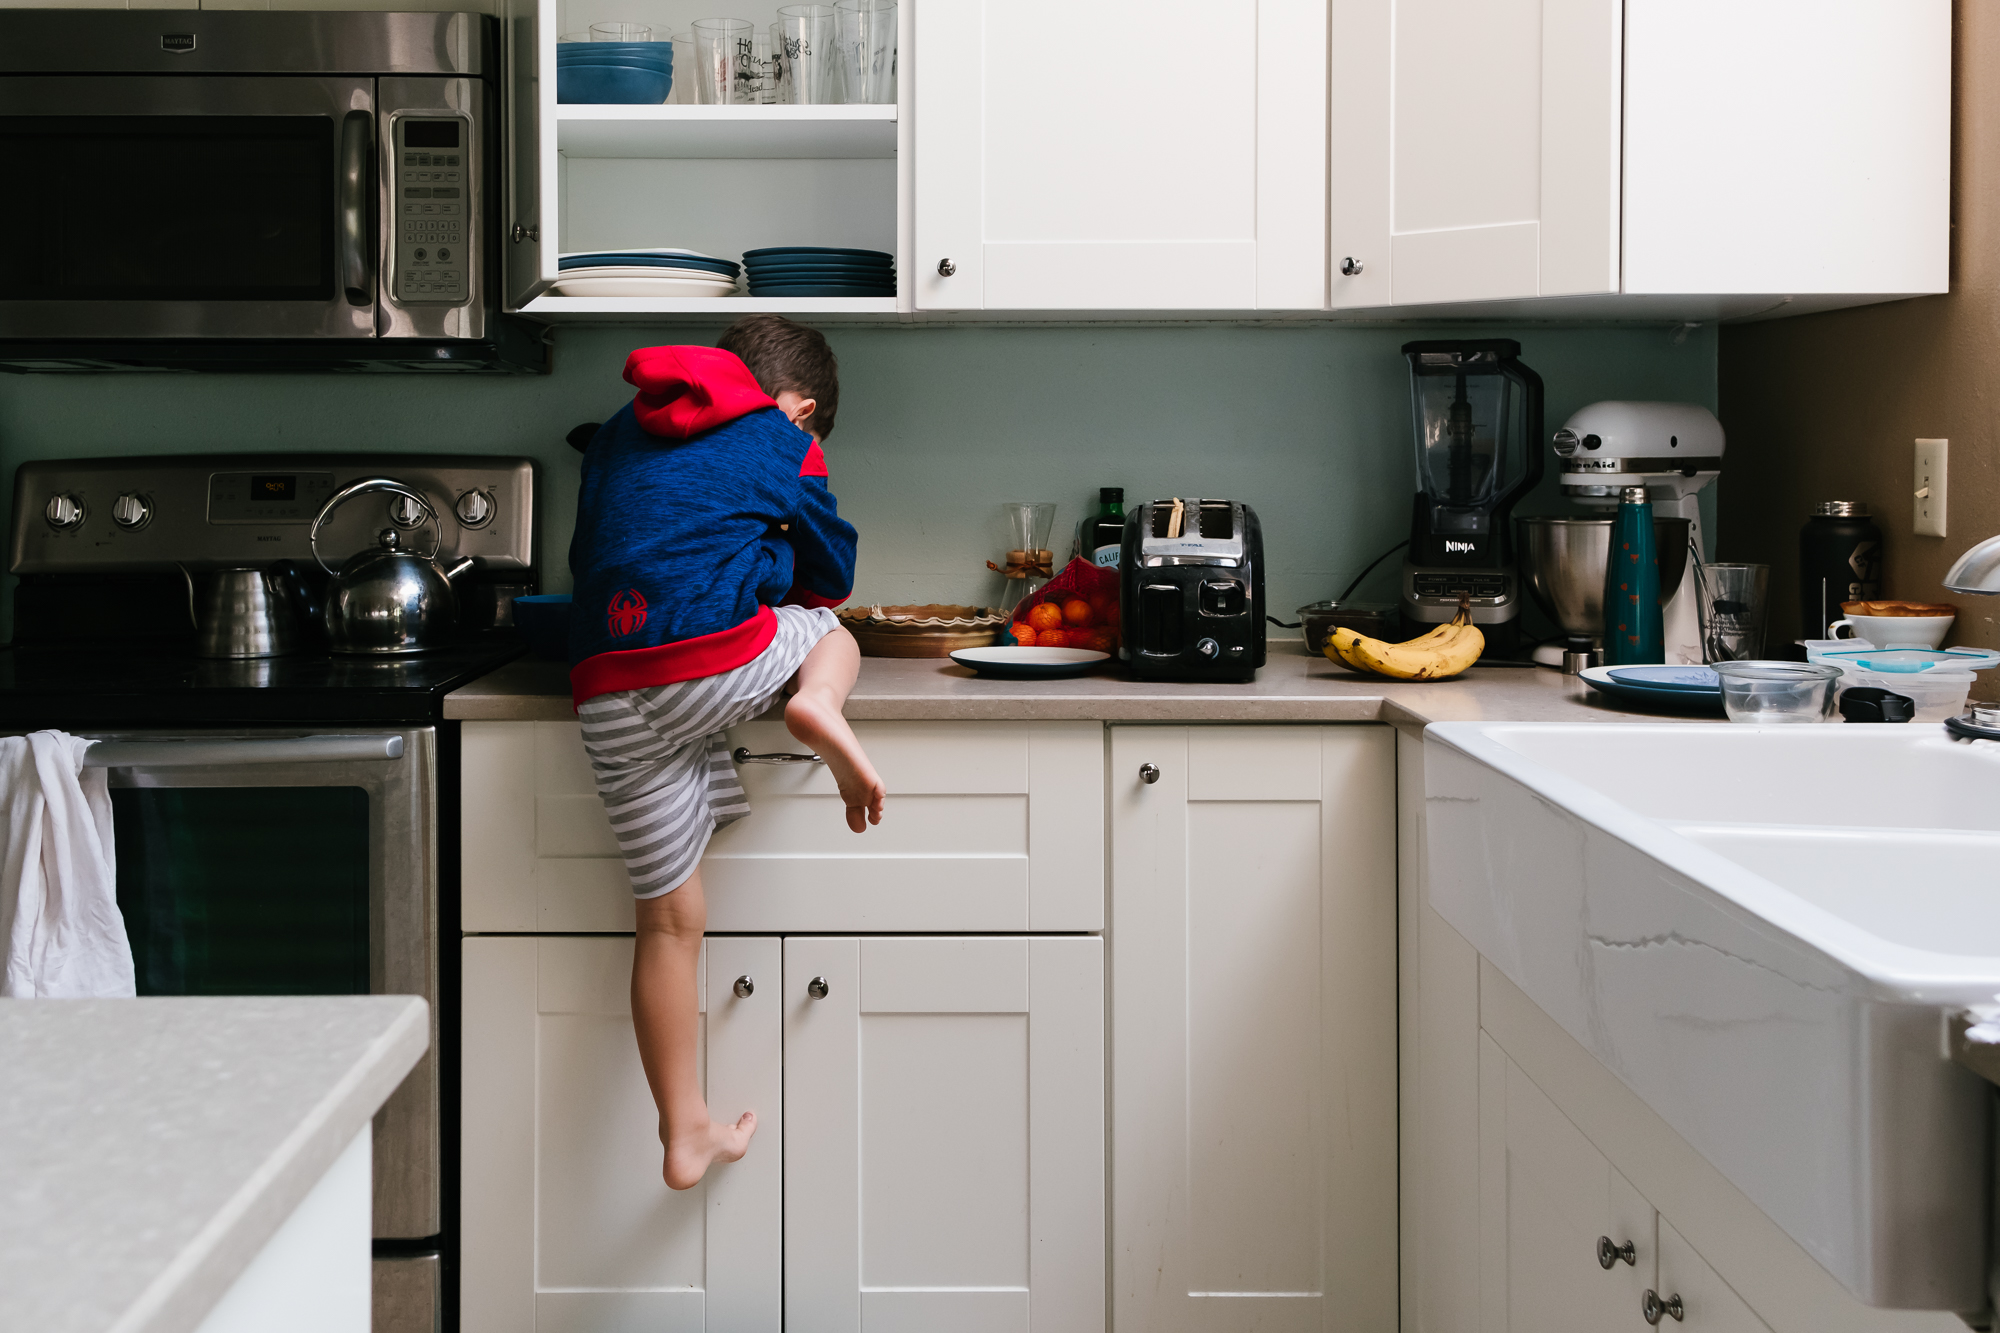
817	988
1149	773
1652	1309
742	755
1609	1254
745	987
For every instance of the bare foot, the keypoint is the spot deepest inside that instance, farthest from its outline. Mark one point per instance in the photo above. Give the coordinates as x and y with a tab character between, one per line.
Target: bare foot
689	1155
817	722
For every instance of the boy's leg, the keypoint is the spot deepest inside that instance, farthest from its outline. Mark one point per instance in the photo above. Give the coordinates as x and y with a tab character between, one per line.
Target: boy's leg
664	1014
813	715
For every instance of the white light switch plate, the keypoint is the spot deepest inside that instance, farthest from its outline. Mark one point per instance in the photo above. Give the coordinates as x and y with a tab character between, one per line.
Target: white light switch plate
1930	491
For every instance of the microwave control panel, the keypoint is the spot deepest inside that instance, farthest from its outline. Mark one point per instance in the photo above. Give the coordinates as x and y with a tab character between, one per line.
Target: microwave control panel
433	225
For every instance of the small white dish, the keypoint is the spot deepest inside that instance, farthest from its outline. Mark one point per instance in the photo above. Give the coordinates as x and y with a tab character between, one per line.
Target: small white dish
597	284
1029	663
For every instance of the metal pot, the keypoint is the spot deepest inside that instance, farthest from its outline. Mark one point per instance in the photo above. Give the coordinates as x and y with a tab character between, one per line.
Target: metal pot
244	612
386	599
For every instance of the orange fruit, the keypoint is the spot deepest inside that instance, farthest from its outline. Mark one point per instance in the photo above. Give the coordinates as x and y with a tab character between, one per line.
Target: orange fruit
1024	635
1110	616
1046	616
1053	638
1101	640
1077	612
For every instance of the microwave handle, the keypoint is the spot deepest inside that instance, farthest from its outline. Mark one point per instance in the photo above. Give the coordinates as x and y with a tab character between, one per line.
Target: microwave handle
357	133
206	754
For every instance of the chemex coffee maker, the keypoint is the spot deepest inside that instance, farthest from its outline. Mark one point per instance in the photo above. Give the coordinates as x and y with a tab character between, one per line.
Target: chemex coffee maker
1478	416
1192	590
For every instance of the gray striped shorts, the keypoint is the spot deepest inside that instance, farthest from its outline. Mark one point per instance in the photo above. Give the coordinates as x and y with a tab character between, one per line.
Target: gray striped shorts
662	763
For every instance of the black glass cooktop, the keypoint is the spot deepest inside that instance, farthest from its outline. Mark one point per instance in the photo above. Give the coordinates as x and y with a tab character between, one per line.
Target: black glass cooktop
102	685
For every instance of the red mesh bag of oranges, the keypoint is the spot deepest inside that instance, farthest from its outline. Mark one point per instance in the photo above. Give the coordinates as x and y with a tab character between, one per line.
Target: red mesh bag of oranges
1078	608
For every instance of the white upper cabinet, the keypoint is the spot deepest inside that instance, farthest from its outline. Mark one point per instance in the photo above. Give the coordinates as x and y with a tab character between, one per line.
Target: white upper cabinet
1120	155
1697	158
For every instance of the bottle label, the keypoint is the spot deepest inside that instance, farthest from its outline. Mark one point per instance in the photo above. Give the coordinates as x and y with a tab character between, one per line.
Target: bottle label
1106	557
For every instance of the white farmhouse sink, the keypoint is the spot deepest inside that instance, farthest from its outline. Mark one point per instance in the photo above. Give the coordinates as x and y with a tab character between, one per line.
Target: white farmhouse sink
1761	931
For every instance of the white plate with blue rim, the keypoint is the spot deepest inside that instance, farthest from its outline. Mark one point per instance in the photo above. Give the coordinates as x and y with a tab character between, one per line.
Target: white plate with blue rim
1029	663
1687	689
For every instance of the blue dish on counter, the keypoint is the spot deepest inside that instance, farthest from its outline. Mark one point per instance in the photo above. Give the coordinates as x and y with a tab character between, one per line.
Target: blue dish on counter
543	621
581	84
1677	688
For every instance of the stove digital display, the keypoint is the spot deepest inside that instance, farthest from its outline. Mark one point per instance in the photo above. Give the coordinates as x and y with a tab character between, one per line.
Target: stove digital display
282	489
267	497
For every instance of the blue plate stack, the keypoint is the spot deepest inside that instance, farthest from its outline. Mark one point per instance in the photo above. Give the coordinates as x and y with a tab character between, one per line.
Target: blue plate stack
819	270
627	73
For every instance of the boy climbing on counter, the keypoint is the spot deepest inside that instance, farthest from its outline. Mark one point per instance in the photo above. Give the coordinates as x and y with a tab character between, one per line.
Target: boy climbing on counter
707	550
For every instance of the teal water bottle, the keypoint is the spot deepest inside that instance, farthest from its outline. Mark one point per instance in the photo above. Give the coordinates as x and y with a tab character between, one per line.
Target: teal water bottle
1633	635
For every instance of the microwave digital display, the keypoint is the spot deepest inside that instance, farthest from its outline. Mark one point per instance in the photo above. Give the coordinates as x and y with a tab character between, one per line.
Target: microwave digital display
430	134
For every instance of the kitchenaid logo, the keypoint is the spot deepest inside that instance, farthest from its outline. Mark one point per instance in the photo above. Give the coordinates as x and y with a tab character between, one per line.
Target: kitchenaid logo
178	42
1451	546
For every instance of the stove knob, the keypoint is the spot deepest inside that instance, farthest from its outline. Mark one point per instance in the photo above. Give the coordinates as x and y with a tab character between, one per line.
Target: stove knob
475	509
1208	648
64	512
131	512
405	512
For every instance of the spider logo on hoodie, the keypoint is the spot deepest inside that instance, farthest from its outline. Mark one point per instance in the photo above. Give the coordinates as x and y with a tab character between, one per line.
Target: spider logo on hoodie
626	613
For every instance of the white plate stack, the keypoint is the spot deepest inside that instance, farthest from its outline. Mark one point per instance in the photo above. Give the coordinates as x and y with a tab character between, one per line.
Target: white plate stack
646	271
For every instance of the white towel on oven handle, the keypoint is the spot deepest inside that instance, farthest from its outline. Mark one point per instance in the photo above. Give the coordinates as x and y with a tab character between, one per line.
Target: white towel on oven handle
59	911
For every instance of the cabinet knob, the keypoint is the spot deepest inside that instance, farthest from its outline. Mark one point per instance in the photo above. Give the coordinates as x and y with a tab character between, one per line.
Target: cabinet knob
817	988
946	268
1351	267
1652	1309
1149	773
525	233
1609	1254
745	987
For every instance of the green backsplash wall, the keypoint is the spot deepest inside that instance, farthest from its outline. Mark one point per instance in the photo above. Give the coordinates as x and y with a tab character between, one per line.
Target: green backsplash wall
938	426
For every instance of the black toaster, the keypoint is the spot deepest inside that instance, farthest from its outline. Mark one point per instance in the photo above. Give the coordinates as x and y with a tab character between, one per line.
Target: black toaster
1192	590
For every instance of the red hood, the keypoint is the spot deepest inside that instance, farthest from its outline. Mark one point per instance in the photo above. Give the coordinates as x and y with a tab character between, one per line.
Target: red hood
685	391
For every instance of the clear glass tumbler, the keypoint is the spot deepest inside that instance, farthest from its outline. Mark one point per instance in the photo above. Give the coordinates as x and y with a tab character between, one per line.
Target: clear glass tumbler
724	73
812	72
1733	607
683	93
620	32
867	35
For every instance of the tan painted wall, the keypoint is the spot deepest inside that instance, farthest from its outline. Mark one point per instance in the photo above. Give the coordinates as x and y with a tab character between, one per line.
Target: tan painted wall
1825	407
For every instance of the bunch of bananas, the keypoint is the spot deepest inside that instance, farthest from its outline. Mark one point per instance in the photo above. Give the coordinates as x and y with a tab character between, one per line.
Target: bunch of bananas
1445	651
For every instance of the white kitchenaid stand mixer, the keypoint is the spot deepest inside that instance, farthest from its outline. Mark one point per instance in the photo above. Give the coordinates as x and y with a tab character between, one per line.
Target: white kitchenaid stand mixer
1673	450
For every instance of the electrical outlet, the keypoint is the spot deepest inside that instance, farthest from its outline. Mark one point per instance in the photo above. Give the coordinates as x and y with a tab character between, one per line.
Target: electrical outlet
1929	500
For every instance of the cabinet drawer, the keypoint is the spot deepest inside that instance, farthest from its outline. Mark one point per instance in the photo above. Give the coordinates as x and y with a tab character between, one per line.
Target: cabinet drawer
989	826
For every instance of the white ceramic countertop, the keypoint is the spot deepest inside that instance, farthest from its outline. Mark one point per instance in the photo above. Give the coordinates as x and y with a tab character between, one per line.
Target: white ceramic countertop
1291	687
149	1148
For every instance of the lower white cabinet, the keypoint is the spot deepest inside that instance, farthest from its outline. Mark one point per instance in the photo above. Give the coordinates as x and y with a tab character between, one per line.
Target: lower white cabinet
1553	1209
1253	1018
929	1152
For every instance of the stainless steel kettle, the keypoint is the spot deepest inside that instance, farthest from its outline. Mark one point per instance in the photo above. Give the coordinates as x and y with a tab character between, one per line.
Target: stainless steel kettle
386	599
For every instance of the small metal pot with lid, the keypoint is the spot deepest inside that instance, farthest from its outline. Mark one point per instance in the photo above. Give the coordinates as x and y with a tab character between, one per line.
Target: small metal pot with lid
386	599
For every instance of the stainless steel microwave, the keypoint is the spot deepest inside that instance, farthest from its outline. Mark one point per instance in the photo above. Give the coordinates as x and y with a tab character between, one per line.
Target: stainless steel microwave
177	177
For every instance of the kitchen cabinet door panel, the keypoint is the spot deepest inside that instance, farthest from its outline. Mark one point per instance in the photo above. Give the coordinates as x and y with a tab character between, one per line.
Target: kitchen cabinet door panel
990	826
567	1223
1254	1057
1709	1304
1176	176
945	1134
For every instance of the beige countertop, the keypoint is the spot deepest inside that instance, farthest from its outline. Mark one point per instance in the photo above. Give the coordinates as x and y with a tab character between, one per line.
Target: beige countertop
1292	687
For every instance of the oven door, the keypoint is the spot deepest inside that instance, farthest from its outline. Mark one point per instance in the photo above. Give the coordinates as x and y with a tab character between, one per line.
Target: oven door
282	862
194	206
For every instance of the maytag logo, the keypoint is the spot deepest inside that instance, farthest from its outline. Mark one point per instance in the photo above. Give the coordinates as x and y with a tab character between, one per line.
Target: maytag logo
180	43
1452	546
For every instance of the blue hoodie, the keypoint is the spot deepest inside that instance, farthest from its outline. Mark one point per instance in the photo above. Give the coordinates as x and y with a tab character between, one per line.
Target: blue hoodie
702	507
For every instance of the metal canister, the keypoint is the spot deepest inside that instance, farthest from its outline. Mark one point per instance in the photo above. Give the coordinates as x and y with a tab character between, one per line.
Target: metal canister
1840	560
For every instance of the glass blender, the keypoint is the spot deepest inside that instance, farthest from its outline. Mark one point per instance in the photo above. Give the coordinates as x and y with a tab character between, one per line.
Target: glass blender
1478	419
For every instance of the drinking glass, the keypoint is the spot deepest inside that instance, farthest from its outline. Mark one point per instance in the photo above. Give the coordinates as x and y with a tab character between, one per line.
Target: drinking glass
683	53
810	45
867	36
574	37
620	32
1732	605
763	70
722	54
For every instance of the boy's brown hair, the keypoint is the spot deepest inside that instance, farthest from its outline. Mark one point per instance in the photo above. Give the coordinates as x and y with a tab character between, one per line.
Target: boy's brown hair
783	355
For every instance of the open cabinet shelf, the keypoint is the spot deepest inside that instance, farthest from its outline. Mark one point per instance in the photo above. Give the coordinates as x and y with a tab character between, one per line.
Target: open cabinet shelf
726	131
608	309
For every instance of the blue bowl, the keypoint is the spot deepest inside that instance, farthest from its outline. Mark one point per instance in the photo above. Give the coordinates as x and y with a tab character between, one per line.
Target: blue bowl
568	51
544	623
624	85
631	62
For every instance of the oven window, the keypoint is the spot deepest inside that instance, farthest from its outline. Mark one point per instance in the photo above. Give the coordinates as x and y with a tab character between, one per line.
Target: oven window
167	208
244	890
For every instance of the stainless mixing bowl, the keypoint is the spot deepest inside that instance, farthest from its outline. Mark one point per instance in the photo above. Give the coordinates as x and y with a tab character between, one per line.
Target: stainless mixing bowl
1562	561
